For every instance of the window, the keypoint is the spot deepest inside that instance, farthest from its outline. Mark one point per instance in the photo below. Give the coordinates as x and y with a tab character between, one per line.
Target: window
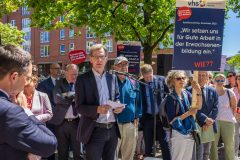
62	49
71	46
62	34
71	33
62	18
26	47
25	11
27	36
90	33
109	45
107	34
88	45
44	37
13	23
44	50
26	22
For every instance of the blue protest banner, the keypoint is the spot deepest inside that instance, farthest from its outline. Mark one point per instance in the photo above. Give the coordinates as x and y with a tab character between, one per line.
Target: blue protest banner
198	35
132	53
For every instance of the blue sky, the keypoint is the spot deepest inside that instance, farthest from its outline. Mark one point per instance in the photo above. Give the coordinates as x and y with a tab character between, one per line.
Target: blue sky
231	38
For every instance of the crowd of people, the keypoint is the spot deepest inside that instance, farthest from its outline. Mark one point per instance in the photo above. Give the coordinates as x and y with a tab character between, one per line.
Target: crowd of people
78	114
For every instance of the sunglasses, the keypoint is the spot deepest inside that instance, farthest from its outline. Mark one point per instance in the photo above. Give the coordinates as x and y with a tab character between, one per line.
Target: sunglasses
220	81
229	76
180	78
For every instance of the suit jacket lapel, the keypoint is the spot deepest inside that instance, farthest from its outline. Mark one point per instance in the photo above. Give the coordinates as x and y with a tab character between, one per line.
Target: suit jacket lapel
109	84
51	85
4	96
93	82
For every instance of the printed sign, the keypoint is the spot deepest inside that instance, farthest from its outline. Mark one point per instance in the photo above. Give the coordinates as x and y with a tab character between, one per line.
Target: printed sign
77	56
198	34
132	53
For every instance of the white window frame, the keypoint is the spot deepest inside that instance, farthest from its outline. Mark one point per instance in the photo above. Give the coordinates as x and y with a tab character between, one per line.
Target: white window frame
13	22
90	33
109	45
44	37
71	33
62	52
88	46
44	50
62	34
71	46
25	11
61	19
27	36
26	23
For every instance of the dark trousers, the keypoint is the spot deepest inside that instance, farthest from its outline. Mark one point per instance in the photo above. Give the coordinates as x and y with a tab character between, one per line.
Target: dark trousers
148	128
66	134
102	144
51	127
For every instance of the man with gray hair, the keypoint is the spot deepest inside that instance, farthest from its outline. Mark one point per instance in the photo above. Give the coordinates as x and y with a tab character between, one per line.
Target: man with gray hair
65	116
98	128
20	134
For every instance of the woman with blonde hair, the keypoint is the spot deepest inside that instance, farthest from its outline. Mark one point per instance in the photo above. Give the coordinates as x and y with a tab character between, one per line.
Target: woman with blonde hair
181	120
38	102
225	119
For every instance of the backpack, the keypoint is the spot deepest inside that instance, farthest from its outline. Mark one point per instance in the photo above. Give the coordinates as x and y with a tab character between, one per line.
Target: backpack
163	114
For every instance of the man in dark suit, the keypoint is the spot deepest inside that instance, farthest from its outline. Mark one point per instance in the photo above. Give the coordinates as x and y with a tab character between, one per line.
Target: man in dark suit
208	113
47	86
20	134
148	104
65	116
98	129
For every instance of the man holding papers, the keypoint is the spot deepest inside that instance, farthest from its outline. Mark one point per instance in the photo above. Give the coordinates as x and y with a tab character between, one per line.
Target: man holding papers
128	119
98	129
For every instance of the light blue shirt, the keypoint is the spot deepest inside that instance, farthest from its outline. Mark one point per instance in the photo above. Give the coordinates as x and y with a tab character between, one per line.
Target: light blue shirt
103	94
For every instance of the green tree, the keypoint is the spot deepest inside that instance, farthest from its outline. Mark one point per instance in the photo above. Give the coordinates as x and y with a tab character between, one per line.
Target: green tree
10	35
235	60
148	21
235	6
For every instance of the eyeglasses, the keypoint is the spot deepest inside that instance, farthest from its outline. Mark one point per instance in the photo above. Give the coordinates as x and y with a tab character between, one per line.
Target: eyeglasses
229	76
180	78
220	81
99	57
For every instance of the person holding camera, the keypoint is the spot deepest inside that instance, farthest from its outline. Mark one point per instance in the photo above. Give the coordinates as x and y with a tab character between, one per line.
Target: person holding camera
65	116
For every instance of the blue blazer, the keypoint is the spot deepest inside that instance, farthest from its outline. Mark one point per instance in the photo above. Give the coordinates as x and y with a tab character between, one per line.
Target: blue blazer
21	134
47	86
87	100
209	107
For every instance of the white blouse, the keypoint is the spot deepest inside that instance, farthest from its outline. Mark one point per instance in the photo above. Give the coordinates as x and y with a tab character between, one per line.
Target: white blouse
224	111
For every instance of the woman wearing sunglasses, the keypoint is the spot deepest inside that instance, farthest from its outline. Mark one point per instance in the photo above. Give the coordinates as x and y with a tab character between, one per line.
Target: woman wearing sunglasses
181	120
236	90
225	119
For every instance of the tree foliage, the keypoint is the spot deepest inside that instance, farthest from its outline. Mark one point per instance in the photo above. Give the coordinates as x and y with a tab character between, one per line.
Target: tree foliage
147	21
235	6
235	60
10	35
